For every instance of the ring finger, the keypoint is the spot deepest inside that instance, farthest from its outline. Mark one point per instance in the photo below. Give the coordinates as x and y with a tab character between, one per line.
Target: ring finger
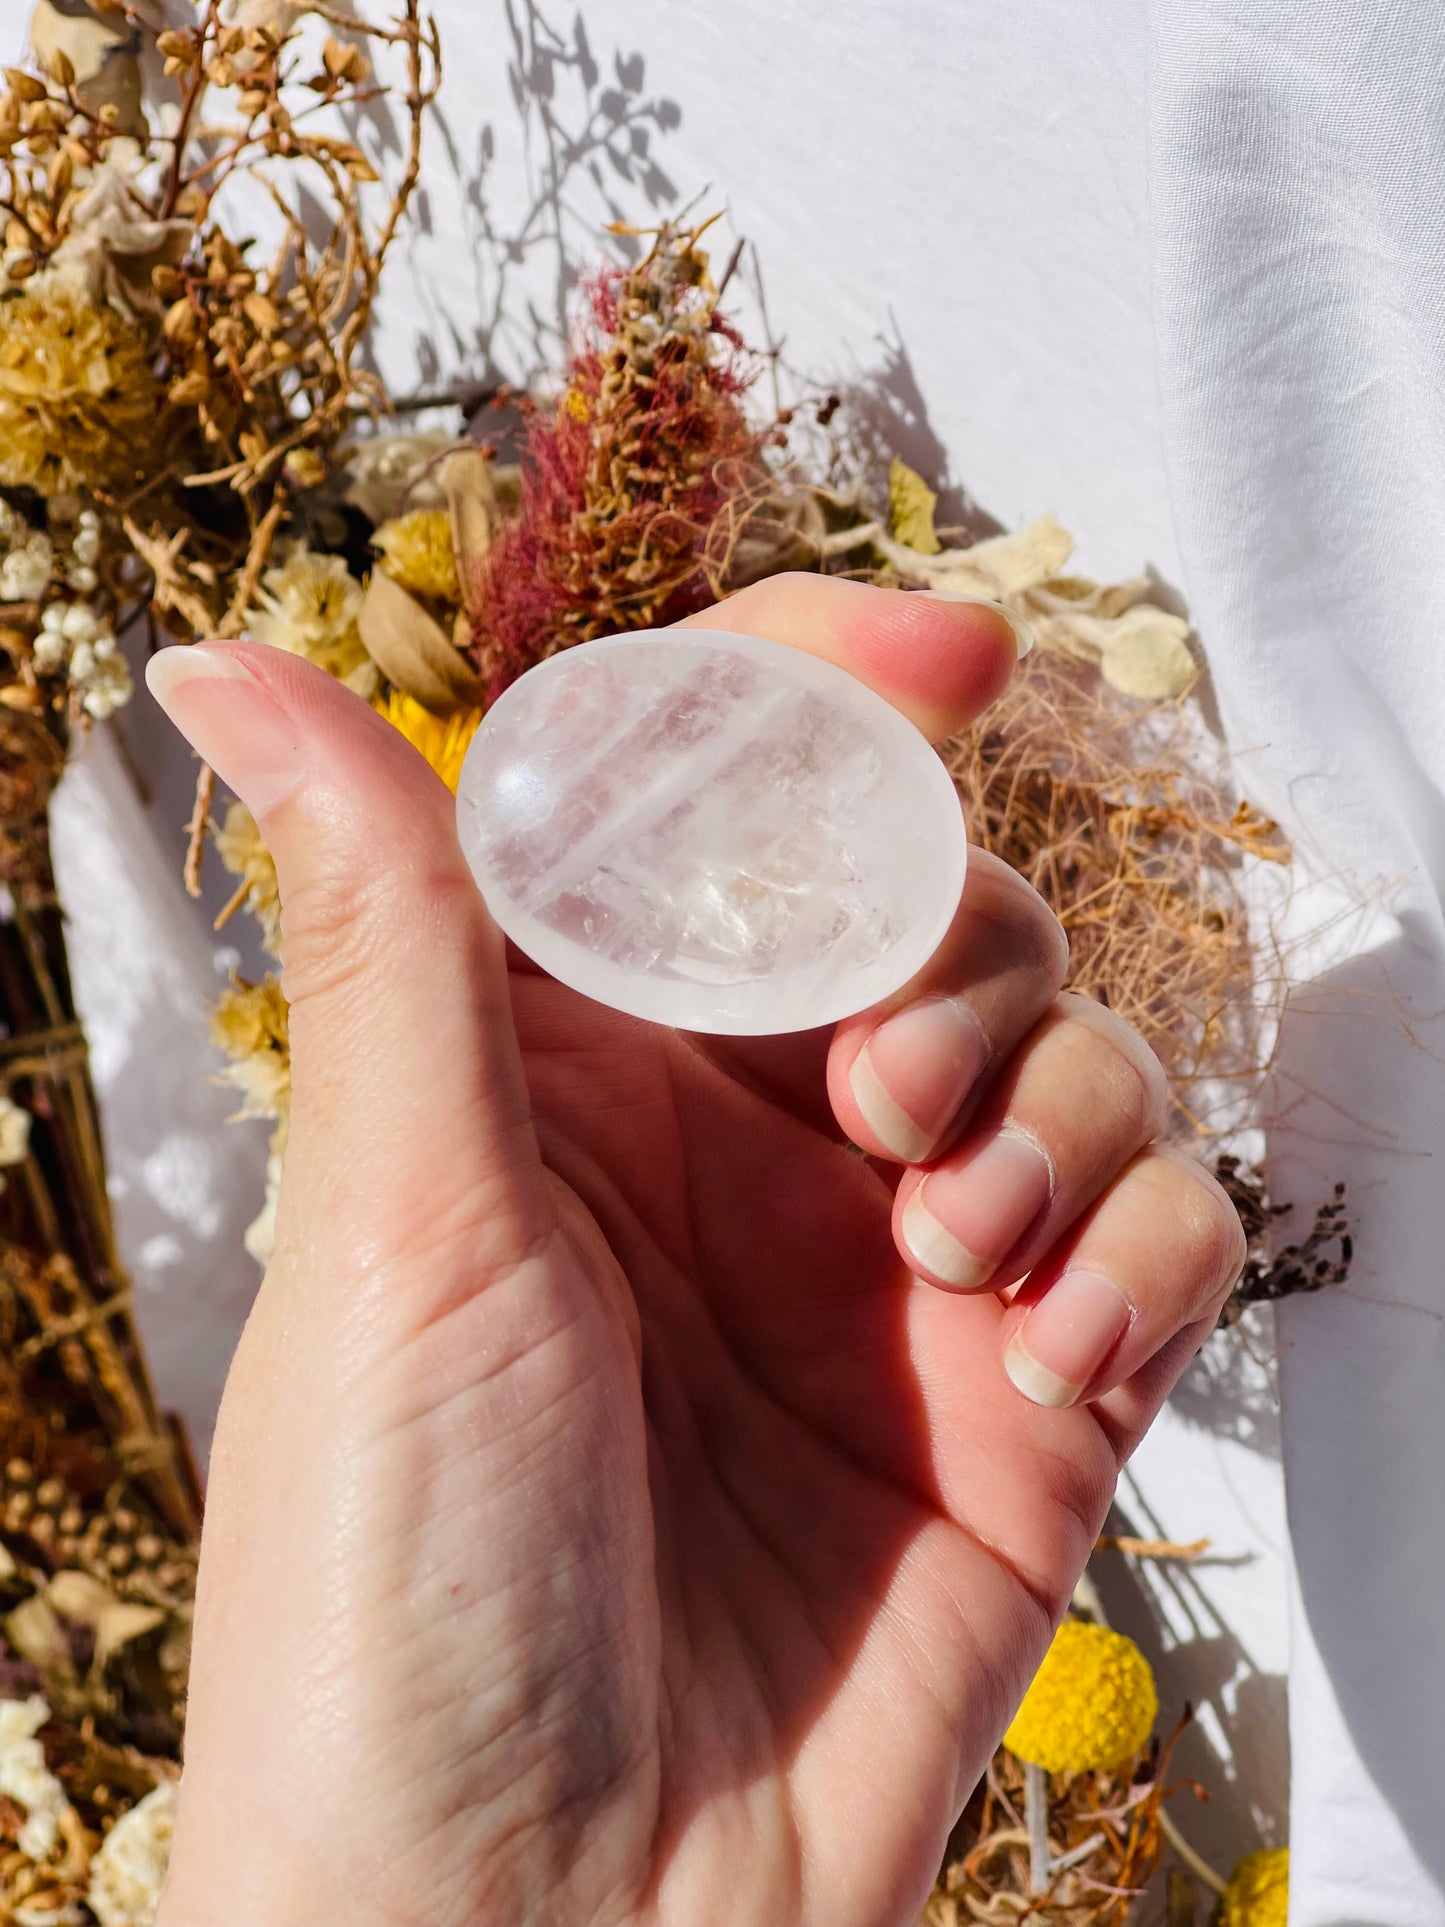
1079	1097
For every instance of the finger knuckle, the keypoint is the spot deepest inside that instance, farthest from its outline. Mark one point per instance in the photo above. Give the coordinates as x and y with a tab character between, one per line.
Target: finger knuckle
1211	1223
343	918
1144	1077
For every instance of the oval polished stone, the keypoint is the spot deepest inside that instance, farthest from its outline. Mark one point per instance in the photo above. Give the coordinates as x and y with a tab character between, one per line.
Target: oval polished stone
712	832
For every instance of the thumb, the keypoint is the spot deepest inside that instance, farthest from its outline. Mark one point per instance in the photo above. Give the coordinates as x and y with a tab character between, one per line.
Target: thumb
410	1119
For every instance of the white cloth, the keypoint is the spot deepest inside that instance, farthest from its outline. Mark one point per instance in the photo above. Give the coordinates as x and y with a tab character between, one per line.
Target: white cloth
1172	270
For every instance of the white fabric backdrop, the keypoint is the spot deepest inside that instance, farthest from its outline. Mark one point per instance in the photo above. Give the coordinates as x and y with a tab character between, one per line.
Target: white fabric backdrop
1170	269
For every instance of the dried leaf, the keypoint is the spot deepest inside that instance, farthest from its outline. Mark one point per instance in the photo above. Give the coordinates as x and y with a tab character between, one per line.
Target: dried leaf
1003	566
1148	656
413	651
34	1631
911	503
469	483
115	1622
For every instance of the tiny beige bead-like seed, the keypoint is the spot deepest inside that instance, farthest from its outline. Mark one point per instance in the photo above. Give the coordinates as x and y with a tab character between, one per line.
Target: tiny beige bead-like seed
51	1494
149	1548
72	1521
119	1558
19	1508
19	1471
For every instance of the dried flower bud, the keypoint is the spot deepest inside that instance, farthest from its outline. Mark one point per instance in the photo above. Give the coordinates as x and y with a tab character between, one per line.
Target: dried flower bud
21	265
19	1471
253	101
61	67
9	118
167	281
179	46
18	237
189	389
181	323
305	468
50	1494
262	313
221	72
24	86
59	176
253	446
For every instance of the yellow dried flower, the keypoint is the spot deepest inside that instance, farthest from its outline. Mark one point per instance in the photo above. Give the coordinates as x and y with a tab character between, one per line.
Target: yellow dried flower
1092	1703
250	1024
309	605
239	846
417	551
78	399
443	742
1258	1891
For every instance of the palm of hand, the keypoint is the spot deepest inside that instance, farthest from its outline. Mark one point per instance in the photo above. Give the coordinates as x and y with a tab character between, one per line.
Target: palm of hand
796	1529
605	1527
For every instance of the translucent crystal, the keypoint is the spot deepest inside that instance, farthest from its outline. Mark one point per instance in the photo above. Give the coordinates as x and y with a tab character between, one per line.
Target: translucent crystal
712	832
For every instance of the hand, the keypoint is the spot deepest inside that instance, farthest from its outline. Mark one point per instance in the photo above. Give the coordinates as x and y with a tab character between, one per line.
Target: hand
629	1504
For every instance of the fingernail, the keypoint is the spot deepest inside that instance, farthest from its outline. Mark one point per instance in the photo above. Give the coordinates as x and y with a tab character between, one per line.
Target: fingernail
911	1077
960	1224
231	720
1024	637
1063	1343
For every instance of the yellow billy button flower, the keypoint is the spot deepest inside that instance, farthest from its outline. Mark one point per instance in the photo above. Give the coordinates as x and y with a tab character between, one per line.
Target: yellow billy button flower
442	741
1258	1891
417	551
1092	1704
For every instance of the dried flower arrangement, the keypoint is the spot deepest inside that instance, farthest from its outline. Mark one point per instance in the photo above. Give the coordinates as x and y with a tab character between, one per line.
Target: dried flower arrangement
179	439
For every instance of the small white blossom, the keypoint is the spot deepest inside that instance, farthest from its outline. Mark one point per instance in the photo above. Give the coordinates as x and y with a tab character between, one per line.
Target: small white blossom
26	1778
14	1131
129	1871
79	624
25	571
83	579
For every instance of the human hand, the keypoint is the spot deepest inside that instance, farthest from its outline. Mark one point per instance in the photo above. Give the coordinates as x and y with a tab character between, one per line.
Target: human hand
629	1504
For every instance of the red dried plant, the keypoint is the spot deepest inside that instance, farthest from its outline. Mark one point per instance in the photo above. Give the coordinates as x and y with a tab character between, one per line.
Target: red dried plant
631	483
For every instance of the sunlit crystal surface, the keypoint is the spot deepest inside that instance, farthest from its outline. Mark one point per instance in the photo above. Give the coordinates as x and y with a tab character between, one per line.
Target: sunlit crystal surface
712	832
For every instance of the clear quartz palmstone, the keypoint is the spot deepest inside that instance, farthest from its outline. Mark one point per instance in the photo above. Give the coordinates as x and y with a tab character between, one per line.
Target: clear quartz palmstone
712	832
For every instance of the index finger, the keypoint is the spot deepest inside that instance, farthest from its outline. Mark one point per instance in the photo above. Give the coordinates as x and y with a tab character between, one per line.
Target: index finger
940	657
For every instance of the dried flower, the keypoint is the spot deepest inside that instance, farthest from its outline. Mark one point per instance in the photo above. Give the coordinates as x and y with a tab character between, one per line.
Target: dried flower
417	551
239	846
635	486
309	606
250	1024
25	568
1258	1891
129	1871
1092	1704
442	741
78	400
260	1238
14	1131
25	1777
74	640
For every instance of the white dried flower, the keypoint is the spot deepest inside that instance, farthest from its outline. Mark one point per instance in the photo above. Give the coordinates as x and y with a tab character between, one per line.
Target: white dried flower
102	675
25	571
86	546
310	605
127	1874
50	652
79	624
81	578
14	1131
26	1778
